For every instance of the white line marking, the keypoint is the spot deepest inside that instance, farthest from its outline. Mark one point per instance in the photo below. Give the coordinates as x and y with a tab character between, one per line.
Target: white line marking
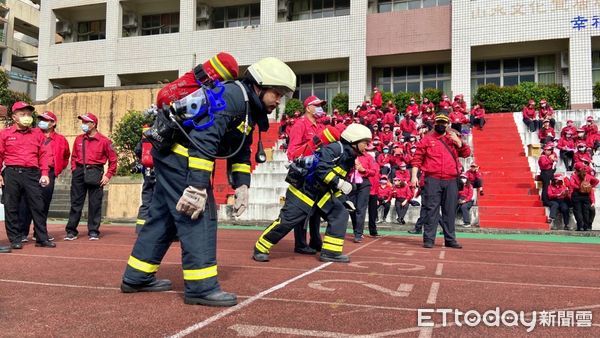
426	332
59	285
442	254
402	291
438	269
435	287
252	299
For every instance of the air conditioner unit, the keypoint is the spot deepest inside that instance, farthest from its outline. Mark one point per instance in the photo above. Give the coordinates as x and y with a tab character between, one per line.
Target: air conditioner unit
564	60
63	28
203	12
282	6
130	20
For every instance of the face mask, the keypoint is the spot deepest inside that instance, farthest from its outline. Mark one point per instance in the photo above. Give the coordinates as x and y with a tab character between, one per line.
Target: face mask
402	168
319	112
26	121
43	125
581	149
543	105
580	135
439	128
385	151
382	183
412	102
85	128
402	184
412	150
463	180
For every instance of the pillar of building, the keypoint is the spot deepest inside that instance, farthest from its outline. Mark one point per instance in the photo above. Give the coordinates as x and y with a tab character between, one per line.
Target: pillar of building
357	72
47	28
114	31
580	72
461	70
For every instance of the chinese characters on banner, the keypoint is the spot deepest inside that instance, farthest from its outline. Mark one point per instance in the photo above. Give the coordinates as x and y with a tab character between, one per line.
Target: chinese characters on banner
524	8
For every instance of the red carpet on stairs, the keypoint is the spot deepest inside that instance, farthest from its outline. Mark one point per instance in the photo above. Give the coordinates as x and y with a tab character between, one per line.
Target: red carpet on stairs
220	181
511	200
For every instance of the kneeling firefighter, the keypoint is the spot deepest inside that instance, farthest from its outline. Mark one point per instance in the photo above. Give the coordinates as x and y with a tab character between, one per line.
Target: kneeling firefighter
183	204
318	182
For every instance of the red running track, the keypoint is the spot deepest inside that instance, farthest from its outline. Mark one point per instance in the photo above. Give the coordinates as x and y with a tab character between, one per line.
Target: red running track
73	290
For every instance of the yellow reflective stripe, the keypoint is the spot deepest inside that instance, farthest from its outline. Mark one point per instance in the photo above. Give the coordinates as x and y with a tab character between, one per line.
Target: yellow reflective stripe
329	177
330	247
261	248
265	243
338	193
328	135
259	244
142	266
180	150
140	222
198	274
222	70
241	168
333	240
301	196
324	200
242	128
340	171
201	164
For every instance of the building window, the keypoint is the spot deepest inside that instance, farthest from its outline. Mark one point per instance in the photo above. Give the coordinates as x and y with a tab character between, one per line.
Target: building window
596	66
315	9
511	72
323	85
236	16
403	5
160	24
413	78
91	30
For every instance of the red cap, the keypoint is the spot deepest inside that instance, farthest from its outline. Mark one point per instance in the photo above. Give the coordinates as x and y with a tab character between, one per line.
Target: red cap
531	102
542	101
463	175
569	121
473	165
22	105
48	115
558	176
222	66
589	118
580	166
580	130
383	177
313	100
386	126
402	164
88	117
548	147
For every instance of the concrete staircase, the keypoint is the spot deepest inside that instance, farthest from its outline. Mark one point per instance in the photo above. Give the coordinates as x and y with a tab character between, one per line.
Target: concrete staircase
61	200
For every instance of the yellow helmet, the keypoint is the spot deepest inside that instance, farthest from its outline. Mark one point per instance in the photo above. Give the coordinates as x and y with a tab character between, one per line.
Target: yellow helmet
356	132
271	72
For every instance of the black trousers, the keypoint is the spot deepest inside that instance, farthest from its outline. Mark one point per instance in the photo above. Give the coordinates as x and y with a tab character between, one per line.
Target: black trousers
401	210
313	223
386	208
19	182
295	211
25	216
78	191
147	192
563	207
533	125
360	198
440	194
567	157
372	215
478	121
198	238
546	176
582	210
465	210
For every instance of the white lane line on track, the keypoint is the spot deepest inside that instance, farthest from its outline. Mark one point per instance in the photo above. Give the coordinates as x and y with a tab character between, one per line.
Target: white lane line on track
253	299
432	298
438	269
442	254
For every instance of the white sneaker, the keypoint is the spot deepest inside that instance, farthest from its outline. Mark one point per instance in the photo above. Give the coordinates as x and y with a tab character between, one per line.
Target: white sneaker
70	237
94	238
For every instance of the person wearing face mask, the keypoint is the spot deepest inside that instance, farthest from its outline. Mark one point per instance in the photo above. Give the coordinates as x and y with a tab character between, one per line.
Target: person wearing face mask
570	127
546	133
530	117
303	131
25	156
402	194
546	112
384	197
547	163
478	116
321	190
566	144
558	193
581	185
377	98
408	126
437	158
91	151
58	161
365	169
475	178
589	127
459	105
581	154
413	109
384	160
465	199
444	103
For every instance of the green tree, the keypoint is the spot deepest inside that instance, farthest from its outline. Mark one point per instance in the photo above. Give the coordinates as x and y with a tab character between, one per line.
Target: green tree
340	102
126	136
9	97
292	106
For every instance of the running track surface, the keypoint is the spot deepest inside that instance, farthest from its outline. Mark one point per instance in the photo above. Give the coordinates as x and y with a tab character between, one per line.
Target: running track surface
73	290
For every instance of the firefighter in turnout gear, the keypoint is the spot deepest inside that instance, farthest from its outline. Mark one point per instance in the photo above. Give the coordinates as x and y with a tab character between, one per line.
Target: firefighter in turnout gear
183	204
321	188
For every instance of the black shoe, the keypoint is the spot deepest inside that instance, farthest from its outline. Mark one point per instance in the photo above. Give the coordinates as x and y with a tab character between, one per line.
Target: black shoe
260	257
375	235
219	298
327	257
415	232
454	245
567	227
481	193
46	244
428	245
157	285
5	249
402	221
305	251
16	246
316	247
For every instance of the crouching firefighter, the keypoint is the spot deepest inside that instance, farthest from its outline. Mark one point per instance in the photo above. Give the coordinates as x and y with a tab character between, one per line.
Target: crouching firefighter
146	168
317	184
183	204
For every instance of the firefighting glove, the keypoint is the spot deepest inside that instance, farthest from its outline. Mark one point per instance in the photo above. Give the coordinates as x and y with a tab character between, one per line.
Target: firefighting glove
241	200
344	186
192	202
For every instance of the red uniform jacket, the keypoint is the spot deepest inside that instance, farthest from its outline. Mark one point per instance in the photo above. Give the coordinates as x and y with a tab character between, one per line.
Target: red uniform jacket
572	129
384	193
575	183
478	113
408	126
466	193
547	112
413	110
377	99
590	128
60	152
444	105
403	174
529	112
434	159
545	132
389	118
567	144
371	167
384	159
579	157
386	137
302	132
591	140
427	109
558	192
24	148
405	192
98	150
546	163
459	107
457	117
472	175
